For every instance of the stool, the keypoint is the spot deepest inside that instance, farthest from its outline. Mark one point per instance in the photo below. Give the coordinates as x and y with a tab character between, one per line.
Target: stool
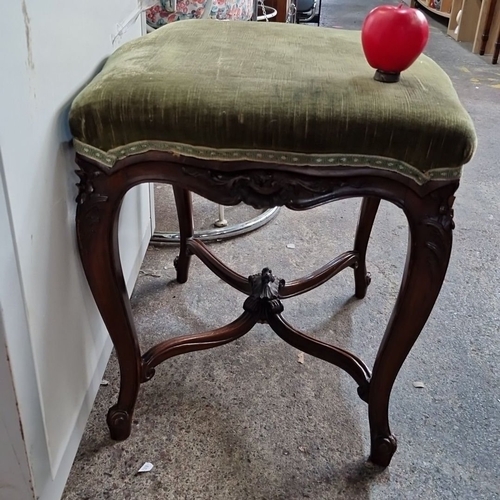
269	115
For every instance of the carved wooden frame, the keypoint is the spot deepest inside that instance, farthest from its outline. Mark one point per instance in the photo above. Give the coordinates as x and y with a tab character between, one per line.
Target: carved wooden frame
428	209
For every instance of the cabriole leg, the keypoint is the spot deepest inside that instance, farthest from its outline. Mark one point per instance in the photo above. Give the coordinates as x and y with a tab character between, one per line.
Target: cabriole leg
369	207
97	233
184	205
429	248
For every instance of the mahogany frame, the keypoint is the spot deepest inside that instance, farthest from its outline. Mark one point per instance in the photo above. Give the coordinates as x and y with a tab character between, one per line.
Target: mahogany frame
428	209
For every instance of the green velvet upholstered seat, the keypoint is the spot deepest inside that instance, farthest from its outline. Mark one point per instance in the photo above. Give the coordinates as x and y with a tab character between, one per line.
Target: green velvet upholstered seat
270	92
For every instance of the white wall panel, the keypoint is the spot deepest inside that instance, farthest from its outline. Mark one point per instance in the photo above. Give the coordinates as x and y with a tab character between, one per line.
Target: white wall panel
54	48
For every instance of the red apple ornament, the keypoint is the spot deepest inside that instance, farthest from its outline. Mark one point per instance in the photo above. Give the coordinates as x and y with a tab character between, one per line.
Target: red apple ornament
393	36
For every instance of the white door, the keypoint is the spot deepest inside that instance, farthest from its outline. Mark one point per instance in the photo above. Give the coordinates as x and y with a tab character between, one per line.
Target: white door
15	477
49	50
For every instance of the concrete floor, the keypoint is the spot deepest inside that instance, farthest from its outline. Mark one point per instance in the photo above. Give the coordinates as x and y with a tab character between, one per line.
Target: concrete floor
248	421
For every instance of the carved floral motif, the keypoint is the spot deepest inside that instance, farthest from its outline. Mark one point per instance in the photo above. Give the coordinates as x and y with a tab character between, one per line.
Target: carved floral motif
438	234
86	189
264	189
264	298
90	204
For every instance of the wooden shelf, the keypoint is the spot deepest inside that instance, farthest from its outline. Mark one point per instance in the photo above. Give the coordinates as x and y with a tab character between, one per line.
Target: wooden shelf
494	31
474	14
434	11
468	25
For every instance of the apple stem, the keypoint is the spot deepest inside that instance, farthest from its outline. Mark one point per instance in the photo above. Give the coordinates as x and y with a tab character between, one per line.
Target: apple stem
386	77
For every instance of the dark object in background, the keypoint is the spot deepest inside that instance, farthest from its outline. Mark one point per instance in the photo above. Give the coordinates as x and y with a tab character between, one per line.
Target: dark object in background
497	51
308	11
487	28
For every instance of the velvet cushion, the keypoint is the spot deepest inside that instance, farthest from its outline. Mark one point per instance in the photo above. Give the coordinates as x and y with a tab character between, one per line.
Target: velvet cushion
272	92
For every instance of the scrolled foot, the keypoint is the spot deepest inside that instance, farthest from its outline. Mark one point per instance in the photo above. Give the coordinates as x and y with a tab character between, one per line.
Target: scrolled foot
119	423
181	264
383	448
362	285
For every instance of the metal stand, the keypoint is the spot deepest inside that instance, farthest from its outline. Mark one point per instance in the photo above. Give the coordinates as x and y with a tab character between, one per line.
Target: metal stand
221	233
